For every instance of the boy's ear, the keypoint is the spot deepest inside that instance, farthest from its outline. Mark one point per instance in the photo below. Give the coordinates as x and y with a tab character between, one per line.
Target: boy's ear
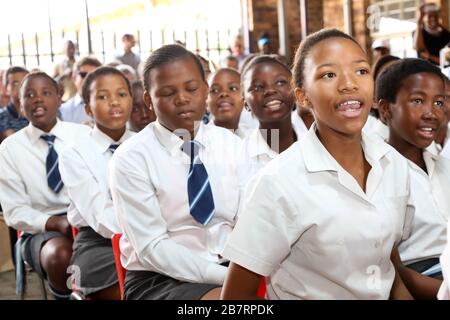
148	100
384	108
301	98
88	110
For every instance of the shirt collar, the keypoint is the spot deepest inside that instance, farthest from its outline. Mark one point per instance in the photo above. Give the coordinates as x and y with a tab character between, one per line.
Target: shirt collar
172	142
34	133
258	145
77	100
317	158
430	156
104	141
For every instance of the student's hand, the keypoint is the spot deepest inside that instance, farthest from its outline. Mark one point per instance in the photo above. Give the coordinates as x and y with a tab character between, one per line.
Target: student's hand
420	13
60	224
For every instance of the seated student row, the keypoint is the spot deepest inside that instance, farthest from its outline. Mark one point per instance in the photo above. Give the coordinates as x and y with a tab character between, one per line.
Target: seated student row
148	219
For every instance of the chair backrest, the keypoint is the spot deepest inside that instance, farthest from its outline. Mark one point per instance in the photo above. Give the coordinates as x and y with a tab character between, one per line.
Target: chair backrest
262	289
74	232
121	271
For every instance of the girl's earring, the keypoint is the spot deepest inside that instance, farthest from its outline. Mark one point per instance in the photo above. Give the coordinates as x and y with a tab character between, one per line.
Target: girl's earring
246	106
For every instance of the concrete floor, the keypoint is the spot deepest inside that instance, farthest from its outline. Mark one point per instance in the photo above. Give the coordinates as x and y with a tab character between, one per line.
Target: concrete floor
8	287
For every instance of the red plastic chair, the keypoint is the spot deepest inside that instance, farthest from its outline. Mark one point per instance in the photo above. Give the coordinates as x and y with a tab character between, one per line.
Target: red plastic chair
121	271
74	232
262	289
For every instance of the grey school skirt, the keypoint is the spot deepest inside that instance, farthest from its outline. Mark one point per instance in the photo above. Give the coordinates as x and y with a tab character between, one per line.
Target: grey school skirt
147	285
31	249
93	267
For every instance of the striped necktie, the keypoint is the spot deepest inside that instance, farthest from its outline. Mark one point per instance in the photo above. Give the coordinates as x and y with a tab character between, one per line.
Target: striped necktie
201	202
51	164
113	147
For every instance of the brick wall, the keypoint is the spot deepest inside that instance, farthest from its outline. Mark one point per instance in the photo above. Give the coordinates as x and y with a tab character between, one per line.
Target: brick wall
315	10
333	15
265	19
320	14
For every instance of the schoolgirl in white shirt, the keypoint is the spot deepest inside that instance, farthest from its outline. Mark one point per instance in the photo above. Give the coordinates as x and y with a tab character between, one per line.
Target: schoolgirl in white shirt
376	126
411	98
322	220
33	197
225	100
84	170
266	88
175	187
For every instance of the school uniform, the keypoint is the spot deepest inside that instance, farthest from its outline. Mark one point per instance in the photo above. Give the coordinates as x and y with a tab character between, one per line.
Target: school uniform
84	170
427	241
247	121
167	253
73	111
258	152
308	226
298	124
375	128
444	151
27	199
444	290
241	133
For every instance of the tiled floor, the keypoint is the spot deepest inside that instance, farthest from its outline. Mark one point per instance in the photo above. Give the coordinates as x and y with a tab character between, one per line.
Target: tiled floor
8	287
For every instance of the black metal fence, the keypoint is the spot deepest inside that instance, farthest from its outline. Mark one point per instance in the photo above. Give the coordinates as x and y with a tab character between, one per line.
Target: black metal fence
41	50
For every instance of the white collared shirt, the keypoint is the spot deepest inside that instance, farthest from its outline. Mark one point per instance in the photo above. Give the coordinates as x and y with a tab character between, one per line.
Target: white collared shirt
247	121
148	181
429	192
298	124
376	129
308	225
241	133
26	199
444	290
84	171
445	149
73	110
258	152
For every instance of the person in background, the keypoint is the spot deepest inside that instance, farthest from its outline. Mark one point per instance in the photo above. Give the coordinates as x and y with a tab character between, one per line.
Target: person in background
237	49
141	114
65	66
4	97
128	71
430	36
230	61
128	56
264	44
380	48
12	119
73	109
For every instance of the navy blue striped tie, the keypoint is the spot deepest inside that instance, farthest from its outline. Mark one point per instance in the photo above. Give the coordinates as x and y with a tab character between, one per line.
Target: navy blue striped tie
53	177
201	202
113	147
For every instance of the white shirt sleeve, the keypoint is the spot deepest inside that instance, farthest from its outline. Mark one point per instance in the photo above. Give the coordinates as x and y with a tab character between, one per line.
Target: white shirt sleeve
87	194
16	202
266	229
141	220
